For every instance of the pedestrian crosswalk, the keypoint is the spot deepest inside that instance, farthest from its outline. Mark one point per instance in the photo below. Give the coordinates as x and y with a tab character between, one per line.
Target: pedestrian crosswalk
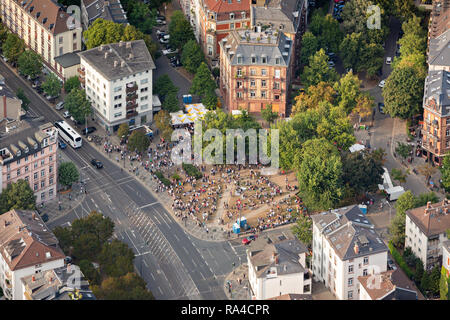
159	247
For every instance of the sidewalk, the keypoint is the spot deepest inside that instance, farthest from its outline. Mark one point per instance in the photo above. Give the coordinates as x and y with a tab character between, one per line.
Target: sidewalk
238	291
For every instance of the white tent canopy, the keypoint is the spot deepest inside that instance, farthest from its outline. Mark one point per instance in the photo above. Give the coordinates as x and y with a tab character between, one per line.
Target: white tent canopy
356	147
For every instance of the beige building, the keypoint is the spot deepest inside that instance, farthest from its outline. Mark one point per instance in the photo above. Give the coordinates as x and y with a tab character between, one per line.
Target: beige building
389	285
255	70
425	231
45	28
30	153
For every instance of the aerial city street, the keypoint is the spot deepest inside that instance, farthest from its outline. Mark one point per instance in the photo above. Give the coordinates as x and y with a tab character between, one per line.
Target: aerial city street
224	150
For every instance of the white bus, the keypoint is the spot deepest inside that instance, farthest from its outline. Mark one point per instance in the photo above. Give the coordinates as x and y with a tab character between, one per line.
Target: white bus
68	134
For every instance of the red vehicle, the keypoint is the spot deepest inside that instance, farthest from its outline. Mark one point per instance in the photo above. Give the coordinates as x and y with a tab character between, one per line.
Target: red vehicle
246	241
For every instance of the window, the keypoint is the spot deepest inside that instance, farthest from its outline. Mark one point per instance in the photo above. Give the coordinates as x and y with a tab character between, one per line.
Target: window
239	72
18	172
350	294
144	106
51	148
8	167
42	196
35	165
263	83
350	269
277	74
210	51
252	72
35	175
243	14
231	25
50	192
350	282
263	72
42	152
144	89
239	60
118	105
253	59
18	161
26	158
116	115
60	40
252	94
8	176
26	168
26	179
144	81
50	181
42	162
35	155
144	98
239	94
239	84
263	94
252	83
42	183
117	89
35	186
276	85
231	16
447	132
264	59
50	169
277	60
118	97
42	172
365	272
50	159
366	260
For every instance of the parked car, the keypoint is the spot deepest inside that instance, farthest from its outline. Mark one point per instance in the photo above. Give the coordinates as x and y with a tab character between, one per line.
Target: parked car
388	60
39	90
162	40
169	51
50	98
246	241
160	17
252	237
176	63
66	114
381	107
97	163
59	105
391	264
44	217
382	83
62	144
88	130
160	22
35	84
331	63
160	34
68	259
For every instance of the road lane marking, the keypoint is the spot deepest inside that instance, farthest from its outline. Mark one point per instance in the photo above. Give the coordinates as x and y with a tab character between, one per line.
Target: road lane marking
148	205
176	237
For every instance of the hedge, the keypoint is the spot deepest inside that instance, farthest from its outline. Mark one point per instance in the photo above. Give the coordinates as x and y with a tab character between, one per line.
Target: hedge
399	259
192	171
163	179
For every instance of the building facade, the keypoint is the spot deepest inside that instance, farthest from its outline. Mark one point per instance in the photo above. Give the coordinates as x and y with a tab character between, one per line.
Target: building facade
425	231
10	105
255	71
345	247
45	28
111	10
30	154
278	268
118	81
27	247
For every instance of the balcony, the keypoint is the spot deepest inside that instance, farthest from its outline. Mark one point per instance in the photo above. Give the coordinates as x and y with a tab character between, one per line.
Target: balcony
131	114
240	89
131	88
131	105
278	79
240	76
81	72
276	90
131	97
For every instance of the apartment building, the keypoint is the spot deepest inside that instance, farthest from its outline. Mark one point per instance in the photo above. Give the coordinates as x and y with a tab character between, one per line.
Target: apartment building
27	247
345	247
29	153
118	81
63	283
389	285
425	231
110	10
255	70
446	256
278	267
45	28
217	19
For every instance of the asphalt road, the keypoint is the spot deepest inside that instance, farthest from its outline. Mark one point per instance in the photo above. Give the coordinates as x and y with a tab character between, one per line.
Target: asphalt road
173	264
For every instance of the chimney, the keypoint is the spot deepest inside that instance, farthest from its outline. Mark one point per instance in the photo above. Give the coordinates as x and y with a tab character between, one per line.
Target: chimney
128	45
122	64
33	278
429	205
131	56
120	43
276	260
4	107
68	268
106	55
356	248
116	63
33	215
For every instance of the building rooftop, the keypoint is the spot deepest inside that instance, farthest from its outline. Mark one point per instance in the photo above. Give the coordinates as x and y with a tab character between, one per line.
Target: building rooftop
20	140
437	91
56	284
25	240
440	18
6	91
244	47
349	232
111	10
68	59
227	6
388	285
439	50
49	14
432	219
293	296
118	60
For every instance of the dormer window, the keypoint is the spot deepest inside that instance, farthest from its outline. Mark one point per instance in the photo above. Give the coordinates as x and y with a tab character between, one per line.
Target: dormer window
231	16
35	146
277	60
253	58
243	14
44	20
26	150
239	59
38	15
264	59
281	27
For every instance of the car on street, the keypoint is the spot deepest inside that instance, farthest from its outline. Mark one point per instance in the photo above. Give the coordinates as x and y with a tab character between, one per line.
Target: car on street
391	264
59	105
246	241
160	22
160	17
382	83
44	217
62	144
176	63
381	107
68	259
162	40
39	90
66	114
252	237
88	130
388	60
331	63
35	84
97	163
169	51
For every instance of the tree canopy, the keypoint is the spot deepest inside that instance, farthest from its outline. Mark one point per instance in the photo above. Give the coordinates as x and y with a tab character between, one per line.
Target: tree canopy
68	173
192	56
318	70
138	141
163	123
17	195
127	287
180	30
163	86
116	259
78	105
203	84
13	47
30	63
52	85
71	83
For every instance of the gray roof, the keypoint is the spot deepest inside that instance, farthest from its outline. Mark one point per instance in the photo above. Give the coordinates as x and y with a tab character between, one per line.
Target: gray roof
130	57
439	50
401	294
245	44
68	59
437	87
5	91
109	10
346	228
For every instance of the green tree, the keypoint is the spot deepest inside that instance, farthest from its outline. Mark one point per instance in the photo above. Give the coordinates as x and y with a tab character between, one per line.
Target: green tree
268	115
444	285
403	92
77	104
3	33
314	96
435	278
364	105
116	259
424	198
71	83
52	85
319	174
350	50
425	282
124	130
303	229
414	39
318	70
25	101
86	247
30	64
13	47
419	271
128	287
348	90
138	141
399	175
95	224
17	195
65	238
397	229
202	83
310	45
371	59
403	149
171	103
90	272
180	30
445	171
327	31
427	170
163	123
192	56
140	16
163	86
210	100
67	174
